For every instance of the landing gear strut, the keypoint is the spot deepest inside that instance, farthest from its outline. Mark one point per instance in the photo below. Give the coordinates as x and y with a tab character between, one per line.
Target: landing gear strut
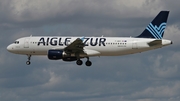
88	63
29	58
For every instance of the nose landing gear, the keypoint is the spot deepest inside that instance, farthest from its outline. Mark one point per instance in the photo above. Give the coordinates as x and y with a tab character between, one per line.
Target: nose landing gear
29	58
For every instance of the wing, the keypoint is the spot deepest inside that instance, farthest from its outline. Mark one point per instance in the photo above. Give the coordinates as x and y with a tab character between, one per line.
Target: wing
75	47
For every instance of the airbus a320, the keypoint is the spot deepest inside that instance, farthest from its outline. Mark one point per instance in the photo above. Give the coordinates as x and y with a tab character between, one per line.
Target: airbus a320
77	48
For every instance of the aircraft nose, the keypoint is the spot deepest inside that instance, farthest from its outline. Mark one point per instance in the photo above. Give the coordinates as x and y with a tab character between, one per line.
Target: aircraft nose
9	48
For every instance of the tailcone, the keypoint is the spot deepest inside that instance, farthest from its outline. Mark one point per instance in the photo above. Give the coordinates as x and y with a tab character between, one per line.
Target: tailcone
166	42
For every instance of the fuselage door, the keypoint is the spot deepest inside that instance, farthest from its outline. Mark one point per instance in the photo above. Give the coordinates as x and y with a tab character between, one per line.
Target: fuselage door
134	45
26	43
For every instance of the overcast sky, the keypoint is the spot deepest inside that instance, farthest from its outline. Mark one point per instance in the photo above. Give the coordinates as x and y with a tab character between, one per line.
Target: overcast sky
148	76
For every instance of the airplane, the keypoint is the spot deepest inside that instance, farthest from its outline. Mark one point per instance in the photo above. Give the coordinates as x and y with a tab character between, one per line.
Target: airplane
75	48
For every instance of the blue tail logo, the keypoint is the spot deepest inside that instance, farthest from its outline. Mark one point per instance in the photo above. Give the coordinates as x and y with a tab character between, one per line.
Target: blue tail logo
156	28
156	31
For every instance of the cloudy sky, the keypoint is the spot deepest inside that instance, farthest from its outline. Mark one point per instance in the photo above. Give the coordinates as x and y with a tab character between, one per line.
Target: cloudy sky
148	76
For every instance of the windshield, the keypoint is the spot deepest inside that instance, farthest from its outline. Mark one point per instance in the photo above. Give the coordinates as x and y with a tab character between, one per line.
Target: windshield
16	42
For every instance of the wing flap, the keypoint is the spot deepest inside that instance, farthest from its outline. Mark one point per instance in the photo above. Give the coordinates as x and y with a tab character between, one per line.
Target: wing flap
91	52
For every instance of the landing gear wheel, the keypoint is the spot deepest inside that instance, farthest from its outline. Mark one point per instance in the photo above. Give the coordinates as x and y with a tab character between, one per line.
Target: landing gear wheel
29	58
79	62
88	63
28	62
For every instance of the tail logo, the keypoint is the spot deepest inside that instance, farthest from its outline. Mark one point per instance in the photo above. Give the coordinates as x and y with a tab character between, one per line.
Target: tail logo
157	32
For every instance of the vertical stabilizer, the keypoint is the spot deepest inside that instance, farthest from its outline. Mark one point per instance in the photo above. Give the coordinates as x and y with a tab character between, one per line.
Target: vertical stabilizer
156	28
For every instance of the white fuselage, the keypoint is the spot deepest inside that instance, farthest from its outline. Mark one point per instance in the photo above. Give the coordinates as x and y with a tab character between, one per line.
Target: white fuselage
94	46
75	48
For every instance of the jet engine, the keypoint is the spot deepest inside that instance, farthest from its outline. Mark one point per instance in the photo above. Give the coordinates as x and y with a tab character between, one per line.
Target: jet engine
60	54
55	54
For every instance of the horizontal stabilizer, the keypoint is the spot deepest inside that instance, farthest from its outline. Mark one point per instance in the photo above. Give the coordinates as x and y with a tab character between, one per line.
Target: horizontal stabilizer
155	43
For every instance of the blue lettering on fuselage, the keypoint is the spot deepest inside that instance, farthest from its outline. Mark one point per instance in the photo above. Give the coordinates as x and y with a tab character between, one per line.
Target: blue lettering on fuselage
41	41
53	41
92	42
85	41
59	41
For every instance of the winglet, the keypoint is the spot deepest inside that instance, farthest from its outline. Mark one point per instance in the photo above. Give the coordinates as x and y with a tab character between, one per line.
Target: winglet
156	28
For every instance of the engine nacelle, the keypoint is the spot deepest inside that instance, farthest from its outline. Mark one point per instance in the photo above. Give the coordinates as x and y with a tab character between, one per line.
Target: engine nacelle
55	54
60	54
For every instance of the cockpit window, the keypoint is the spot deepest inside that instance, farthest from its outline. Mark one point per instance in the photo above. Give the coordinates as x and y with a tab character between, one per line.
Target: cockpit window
16	42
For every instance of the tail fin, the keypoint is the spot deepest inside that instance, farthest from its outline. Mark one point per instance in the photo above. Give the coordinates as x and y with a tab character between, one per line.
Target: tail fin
156	28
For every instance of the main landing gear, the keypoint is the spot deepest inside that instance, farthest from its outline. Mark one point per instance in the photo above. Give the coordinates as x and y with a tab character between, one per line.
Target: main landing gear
29	58
80	62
